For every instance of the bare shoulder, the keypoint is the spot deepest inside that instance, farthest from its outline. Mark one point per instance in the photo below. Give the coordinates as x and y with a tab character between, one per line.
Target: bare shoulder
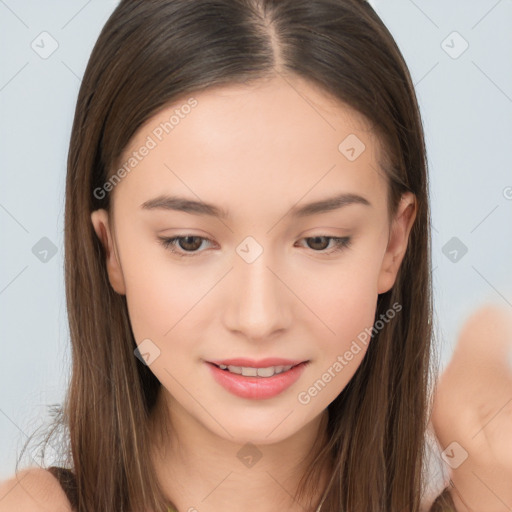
33	490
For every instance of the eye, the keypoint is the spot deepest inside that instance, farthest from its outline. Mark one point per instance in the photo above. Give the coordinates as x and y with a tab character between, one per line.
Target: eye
188	245
318	243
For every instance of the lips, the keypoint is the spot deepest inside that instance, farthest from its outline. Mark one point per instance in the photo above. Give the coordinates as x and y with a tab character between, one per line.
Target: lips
256	387
262	363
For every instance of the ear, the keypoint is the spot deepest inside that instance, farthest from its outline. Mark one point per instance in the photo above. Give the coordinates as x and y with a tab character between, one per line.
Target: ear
397	243
100	221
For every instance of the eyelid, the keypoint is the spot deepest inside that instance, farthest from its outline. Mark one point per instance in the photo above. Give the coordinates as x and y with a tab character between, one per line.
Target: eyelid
169	242
340	243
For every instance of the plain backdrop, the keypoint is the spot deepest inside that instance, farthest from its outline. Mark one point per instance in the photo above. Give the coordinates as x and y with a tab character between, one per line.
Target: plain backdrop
459	55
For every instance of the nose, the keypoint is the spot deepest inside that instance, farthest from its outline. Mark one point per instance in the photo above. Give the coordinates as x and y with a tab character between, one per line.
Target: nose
259	301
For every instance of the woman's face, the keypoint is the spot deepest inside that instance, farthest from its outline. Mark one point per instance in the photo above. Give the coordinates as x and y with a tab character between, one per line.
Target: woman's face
258	274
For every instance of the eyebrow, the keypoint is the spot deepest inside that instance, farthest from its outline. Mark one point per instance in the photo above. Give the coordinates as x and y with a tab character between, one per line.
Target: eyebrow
182	204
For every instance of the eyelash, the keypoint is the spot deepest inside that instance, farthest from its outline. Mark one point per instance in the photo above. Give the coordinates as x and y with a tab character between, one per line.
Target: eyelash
340	243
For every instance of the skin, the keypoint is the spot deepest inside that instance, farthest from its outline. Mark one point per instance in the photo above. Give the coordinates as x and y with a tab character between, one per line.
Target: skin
255	151
473	407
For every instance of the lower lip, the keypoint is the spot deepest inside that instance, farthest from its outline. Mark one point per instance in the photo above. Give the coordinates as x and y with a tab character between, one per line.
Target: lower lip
256	388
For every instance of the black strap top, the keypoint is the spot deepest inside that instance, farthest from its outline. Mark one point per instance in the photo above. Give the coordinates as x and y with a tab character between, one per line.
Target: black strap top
67	481
66	478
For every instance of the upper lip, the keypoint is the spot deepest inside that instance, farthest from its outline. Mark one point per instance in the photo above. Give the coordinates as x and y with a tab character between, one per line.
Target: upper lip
252	363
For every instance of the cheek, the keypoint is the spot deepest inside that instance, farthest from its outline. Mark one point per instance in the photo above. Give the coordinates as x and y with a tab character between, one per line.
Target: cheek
348	310
344	297
159	292
159	300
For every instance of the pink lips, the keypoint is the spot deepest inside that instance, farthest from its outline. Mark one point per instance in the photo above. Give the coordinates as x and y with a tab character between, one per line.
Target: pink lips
257	388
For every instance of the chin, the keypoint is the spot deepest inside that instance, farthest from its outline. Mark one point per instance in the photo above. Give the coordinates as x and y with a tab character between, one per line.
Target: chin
266	430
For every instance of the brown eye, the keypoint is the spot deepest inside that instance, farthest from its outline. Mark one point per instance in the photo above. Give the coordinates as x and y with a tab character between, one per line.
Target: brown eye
321	243
186	245
190	243
318	243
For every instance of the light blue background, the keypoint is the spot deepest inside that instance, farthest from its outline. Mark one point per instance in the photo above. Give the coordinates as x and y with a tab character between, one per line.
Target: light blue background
466	104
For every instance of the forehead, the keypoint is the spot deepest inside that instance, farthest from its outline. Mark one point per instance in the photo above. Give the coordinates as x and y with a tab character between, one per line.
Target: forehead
282	137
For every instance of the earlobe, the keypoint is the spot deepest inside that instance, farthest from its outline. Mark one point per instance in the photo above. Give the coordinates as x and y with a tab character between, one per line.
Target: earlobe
101	223
397	244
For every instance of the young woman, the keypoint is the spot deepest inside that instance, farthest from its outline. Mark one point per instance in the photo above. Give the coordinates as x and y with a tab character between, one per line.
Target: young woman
247	266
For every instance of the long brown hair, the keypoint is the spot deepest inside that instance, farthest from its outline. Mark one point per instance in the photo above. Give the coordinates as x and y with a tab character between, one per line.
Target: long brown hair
151	52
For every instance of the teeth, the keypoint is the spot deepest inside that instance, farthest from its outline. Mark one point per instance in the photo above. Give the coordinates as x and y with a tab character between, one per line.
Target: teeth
249	372
264	372
255	372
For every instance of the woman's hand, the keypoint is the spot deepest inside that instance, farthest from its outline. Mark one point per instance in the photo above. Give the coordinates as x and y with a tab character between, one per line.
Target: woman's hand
472	413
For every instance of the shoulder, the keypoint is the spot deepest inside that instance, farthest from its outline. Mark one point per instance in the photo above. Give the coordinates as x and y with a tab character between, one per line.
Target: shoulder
33	490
